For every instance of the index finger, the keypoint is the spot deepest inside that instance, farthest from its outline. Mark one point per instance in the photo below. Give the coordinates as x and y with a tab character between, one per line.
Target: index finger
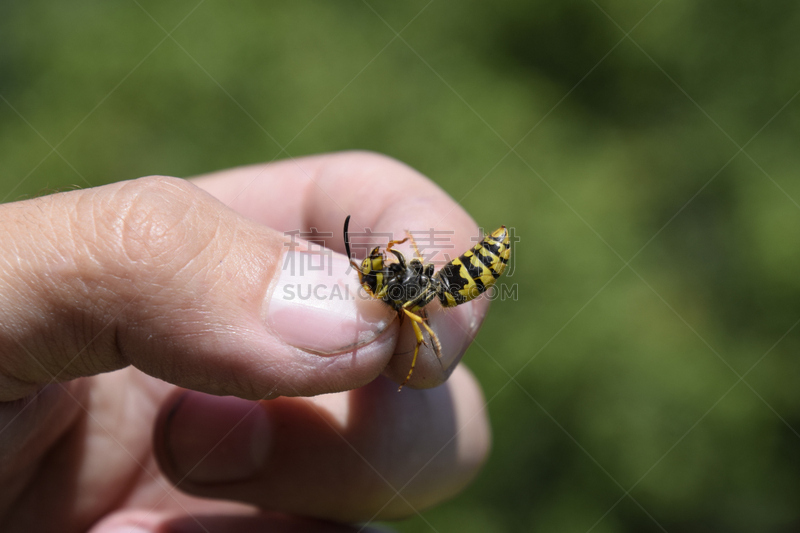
384	197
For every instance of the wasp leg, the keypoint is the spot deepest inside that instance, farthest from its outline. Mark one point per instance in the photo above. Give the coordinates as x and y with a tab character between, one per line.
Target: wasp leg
414	244
415	321
421	317
392	243
437	346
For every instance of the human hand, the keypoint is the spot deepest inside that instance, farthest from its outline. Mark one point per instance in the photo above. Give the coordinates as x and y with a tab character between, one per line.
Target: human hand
116	300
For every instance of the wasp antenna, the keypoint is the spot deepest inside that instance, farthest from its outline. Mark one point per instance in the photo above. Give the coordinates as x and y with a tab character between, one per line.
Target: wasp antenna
347	237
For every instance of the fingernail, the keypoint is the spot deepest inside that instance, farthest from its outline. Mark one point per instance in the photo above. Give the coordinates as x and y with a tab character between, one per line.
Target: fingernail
456	328
317	304
214	439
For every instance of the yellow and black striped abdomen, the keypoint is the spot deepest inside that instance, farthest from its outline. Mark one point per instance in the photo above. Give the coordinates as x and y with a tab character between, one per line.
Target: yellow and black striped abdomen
465	278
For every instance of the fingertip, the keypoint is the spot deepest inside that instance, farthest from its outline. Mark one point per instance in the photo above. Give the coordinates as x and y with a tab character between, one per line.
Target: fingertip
455	327
206	439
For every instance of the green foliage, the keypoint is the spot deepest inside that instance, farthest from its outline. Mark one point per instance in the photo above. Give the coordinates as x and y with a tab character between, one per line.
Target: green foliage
652	182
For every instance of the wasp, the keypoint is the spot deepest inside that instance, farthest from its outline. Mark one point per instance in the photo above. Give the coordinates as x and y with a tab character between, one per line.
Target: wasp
408	286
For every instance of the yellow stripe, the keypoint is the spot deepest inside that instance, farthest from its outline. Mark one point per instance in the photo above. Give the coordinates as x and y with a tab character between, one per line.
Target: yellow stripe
464	273
485	251
478	264
451	302
496	266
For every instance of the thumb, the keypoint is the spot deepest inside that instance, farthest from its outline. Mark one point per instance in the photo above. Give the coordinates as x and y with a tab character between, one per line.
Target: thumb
158	274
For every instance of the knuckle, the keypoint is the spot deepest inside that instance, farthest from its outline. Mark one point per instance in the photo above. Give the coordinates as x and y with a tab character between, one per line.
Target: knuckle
162	221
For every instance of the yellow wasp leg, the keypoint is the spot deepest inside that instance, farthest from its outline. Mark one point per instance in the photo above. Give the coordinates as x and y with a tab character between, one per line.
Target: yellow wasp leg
437	346
416	320
414	244
418	333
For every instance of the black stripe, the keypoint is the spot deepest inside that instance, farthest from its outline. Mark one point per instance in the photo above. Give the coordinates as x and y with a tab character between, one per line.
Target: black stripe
371	281
450	273
451	283
495	247
485	259
474	271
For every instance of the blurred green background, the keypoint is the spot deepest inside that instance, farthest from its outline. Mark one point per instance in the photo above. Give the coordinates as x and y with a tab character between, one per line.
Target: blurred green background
646	154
